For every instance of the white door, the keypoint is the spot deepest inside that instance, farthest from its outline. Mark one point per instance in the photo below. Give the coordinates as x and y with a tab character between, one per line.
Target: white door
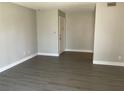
61	34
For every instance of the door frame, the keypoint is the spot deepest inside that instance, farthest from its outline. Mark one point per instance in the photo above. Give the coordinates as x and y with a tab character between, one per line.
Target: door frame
59	43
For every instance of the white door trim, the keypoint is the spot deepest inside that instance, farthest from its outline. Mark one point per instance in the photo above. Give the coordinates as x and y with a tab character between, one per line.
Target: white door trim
59	51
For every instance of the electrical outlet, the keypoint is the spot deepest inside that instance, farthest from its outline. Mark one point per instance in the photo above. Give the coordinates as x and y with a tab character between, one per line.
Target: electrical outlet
119	57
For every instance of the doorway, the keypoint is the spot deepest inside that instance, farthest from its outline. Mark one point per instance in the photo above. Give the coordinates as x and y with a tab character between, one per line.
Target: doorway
62	27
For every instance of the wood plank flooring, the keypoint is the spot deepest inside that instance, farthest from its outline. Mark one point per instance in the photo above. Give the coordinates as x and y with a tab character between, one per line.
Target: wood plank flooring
69	72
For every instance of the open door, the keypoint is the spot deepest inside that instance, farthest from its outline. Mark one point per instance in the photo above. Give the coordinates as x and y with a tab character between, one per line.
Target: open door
61	34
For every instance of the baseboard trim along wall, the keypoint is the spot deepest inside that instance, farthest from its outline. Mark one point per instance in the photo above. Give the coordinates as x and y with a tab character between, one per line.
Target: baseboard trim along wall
76	50
48	54
109	63
26	58
17	62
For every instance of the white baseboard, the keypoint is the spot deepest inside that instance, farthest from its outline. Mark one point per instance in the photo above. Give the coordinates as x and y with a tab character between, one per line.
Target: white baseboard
75	50
17	62
109	63
48	54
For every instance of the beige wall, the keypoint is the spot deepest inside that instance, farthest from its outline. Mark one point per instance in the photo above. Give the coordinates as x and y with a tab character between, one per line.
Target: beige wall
80	30
17	33
109	33
47	29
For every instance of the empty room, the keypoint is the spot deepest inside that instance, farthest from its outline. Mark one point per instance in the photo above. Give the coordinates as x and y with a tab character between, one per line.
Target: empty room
61	46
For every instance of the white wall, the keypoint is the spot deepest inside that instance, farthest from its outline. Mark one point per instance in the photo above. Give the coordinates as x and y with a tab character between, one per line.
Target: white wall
109	33
17	33
80	30
47	29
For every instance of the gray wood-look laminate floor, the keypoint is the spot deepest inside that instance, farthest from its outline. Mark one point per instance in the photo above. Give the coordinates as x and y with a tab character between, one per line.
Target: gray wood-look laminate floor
70	71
